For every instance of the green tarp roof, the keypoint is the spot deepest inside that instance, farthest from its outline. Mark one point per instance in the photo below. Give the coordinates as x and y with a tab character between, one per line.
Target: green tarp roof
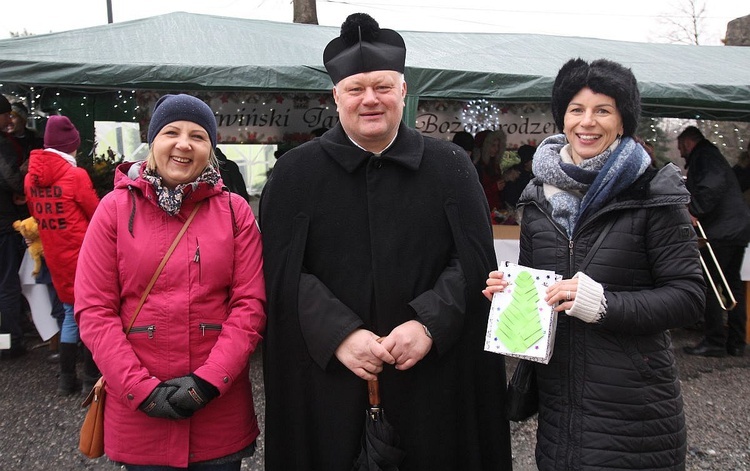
182	51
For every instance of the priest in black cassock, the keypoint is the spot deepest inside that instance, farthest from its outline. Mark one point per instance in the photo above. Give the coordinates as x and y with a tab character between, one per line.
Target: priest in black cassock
377	243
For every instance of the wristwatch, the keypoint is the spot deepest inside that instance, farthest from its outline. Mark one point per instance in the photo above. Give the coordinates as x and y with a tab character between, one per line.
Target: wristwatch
427	331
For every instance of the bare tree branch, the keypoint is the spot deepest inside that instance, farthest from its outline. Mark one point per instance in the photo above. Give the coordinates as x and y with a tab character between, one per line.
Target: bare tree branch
686	26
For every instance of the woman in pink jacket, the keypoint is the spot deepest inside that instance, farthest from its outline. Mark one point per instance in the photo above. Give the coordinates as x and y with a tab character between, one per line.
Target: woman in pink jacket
179	392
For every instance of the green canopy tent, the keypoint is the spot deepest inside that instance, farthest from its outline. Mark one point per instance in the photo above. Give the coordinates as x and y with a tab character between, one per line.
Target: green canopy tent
190	52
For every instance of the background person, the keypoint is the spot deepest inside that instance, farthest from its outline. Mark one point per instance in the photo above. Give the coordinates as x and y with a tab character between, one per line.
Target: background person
231	175
717	202
464	140
61	197
25	139
609	399
12	246
514	188
742	172
376	245
178	384
490	173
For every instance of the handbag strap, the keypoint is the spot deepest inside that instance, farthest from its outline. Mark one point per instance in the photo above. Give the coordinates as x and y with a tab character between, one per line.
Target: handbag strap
161	265
596	245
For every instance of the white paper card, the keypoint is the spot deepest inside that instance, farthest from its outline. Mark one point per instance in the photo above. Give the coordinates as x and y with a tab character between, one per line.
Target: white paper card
4	341
521	324
38	297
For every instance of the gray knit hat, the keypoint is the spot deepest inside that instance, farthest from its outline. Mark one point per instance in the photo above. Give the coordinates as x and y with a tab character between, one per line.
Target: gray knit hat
602	76
20	110
171	108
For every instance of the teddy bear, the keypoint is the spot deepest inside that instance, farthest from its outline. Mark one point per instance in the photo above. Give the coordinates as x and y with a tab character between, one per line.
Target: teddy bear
29	229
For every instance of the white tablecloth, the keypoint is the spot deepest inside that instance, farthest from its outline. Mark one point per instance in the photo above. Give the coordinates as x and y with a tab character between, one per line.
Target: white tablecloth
507	249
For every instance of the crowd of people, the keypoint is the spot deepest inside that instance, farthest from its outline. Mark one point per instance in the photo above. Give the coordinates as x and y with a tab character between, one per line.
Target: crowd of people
503	178
372	262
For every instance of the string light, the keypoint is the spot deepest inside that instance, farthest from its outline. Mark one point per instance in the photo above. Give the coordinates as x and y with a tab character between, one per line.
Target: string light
478	115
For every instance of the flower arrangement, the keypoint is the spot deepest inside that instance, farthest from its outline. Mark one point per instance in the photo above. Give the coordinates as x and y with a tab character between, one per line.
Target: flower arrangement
101	169
509	159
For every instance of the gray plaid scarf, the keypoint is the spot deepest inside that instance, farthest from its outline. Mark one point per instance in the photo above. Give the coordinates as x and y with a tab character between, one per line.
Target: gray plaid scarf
585	188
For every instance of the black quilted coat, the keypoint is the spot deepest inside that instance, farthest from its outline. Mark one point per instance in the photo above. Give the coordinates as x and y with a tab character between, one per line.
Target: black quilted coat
610	397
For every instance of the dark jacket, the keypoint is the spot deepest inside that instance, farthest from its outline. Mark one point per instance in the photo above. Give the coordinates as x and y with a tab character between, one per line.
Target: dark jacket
355	240
610	396
11	187
231	175
29	141
716	198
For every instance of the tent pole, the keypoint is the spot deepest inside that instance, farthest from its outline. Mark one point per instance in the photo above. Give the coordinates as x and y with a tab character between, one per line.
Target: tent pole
410	110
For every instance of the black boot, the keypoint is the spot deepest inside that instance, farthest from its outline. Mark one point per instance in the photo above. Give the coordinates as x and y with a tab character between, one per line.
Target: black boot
90	371
68	382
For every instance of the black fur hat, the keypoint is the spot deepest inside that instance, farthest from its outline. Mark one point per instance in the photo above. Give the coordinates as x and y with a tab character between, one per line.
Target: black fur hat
363	47
602	76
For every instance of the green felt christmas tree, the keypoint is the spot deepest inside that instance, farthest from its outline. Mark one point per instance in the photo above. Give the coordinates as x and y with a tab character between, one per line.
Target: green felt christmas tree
520	326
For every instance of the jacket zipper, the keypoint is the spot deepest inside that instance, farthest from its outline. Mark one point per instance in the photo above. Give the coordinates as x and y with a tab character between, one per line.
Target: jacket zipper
571	336
197	258
204	327
571	364
149	329
574	358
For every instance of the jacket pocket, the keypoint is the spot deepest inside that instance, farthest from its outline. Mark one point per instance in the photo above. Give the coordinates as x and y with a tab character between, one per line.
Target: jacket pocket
639	360
139	330
207	328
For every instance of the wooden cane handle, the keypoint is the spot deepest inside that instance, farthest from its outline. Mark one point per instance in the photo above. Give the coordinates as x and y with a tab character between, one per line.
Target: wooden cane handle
373	391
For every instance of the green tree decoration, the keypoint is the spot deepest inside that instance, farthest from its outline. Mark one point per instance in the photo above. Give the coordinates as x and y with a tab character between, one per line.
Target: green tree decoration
520	326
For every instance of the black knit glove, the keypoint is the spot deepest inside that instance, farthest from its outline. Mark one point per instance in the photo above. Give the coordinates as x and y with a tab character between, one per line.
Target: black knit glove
193	393
157	404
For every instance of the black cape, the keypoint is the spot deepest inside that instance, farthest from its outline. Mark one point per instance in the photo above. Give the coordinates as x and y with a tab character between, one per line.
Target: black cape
354	240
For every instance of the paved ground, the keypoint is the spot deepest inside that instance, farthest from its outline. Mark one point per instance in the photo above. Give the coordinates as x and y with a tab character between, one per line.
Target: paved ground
716	392
39	431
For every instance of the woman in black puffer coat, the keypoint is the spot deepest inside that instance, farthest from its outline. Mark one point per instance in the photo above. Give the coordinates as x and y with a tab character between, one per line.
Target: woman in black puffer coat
609	399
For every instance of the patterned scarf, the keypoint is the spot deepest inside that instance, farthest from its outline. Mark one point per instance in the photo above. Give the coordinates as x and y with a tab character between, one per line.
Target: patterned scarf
171	200
580	190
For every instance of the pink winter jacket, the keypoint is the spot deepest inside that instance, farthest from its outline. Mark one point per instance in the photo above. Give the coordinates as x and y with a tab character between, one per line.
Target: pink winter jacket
205	315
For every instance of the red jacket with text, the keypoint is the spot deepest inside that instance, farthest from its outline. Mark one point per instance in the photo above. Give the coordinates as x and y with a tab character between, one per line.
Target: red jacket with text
61	197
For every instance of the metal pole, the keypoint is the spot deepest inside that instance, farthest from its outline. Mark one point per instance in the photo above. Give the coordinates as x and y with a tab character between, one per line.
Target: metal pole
109	11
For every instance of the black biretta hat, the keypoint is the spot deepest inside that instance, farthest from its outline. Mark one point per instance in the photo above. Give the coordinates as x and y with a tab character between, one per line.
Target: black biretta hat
363	47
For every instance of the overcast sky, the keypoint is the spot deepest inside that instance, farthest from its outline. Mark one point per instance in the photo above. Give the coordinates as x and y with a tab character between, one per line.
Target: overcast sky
630	20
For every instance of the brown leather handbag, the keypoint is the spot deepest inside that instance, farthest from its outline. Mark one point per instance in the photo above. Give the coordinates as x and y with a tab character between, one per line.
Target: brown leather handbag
91	441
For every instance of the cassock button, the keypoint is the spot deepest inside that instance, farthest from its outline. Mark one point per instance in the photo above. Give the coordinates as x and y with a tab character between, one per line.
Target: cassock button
130	397
225	379
379	164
